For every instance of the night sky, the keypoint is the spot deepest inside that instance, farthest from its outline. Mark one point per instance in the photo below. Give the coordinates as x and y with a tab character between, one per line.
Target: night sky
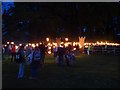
36	21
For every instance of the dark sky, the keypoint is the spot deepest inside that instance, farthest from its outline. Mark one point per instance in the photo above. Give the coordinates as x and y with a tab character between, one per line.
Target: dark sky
34	21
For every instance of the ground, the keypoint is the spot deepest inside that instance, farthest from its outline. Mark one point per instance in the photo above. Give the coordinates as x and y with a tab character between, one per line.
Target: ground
94	71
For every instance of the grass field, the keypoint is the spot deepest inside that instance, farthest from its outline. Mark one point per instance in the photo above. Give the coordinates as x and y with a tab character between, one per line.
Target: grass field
94	71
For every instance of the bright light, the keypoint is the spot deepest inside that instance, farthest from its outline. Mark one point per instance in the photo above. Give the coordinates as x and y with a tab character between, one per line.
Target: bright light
74	48
73	43
49	47
8	42
80	46
47	39
55	44
49	44
49	52
62	42
66	39
40	43
12	42
16	47
33	45
61	45
27	45
5	45
20	44
97	42
86	46
66	44
30	44
106	42
37	44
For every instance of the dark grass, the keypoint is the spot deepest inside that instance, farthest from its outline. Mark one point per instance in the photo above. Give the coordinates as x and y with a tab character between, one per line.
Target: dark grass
94	71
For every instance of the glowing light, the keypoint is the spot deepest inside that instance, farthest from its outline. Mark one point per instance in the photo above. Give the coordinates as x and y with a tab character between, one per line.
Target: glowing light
27	45
106	42
97	42
73	43
37	44
55	44
20	44
8	42
30	44
12	42
61	46
33	45
47	39
62	42
80	46
16	47
74	48
5	45
86	46
49	44
49	47
66	39
40	43
49	52
66	44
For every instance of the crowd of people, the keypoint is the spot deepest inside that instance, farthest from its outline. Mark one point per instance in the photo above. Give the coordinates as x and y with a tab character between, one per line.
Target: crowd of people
36	56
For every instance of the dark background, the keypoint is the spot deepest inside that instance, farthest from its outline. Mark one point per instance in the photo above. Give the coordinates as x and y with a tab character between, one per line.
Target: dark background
32	22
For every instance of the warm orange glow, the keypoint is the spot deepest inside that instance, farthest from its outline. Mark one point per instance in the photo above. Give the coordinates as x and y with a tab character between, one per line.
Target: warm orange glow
86	46
33	45
37	44
49	44
66	39
66	44
74	48
49	52
80	46
49	47
40	43
62	42
47	39
55	44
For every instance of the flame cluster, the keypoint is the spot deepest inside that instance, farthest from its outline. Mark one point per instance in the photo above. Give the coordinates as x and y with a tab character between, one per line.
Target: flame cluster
63	44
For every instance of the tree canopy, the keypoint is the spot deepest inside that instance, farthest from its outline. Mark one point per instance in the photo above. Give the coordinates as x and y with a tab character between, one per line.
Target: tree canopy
33	21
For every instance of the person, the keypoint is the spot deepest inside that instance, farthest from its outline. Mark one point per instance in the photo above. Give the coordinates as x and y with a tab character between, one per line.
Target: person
42	50
3	49
36	63
55	51
88	50
70	58
28	50
67	57
21	63
13	52
60	53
